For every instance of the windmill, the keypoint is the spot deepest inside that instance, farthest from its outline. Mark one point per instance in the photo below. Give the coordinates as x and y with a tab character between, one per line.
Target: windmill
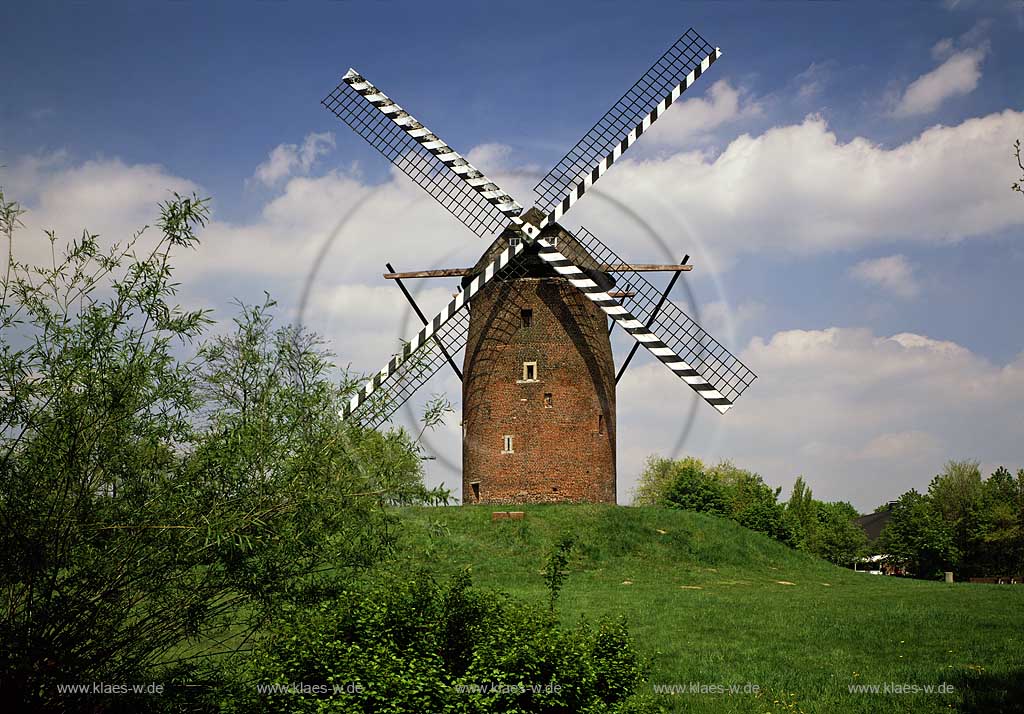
533	313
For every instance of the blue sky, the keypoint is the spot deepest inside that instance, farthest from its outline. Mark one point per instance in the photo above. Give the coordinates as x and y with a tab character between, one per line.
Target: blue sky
841	179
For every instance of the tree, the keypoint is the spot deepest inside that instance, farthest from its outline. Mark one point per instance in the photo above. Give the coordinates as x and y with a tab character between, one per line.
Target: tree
693	489
836	537
722	490
1017	185
658	476
918	536
958	496
150	501
801	514
751	502
999	544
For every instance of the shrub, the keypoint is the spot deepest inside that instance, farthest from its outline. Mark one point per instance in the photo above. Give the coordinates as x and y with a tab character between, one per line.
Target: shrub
657	477
693	489
412	645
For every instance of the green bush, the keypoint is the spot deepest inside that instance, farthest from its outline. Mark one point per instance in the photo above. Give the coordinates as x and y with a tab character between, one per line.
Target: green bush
721	490
693	489
412	645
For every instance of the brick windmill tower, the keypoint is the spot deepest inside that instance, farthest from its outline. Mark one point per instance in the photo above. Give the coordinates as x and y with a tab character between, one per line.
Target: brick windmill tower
533	314
539	381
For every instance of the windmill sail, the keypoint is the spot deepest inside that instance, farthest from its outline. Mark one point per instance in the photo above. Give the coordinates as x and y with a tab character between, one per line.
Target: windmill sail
440	170
652	94
711	370
421	356
388	393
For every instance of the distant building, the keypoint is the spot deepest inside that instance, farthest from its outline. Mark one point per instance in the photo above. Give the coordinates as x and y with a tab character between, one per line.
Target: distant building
874	523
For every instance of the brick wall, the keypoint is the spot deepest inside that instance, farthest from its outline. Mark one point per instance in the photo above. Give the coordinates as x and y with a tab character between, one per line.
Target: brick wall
562	449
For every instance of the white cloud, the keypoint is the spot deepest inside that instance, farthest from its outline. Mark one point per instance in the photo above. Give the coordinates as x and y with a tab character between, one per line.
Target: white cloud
798	189
856	413
942	49
793	188
287	159
725	321
724	104
893	273
913	444
104	196
957	76
812	80
490	157
372	318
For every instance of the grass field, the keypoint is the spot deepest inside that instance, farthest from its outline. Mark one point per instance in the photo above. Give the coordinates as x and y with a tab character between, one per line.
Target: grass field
711	603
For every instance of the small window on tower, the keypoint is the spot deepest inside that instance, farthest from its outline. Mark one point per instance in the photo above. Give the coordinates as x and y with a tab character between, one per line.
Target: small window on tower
547	400
506	446
476	490
529	371
600	423
527	317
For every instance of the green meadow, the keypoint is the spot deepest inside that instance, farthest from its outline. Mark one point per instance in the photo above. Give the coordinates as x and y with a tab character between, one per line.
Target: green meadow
714	606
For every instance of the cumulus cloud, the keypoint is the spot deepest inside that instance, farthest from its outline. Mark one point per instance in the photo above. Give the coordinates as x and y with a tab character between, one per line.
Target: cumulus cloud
288	159
913	444
942	49
956	76
796	189
893	273
799	189
725	321
699	115
490	157
104	196
376	314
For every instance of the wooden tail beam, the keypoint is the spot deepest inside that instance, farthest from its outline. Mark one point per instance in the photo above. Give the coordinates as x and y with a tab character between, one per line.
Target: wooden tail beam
654	314
423	319
607	268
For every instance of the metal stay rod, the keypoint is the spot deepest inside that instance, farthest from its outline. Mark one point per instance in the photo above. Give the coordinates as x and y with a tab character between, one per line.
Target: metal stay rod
423	319
664	297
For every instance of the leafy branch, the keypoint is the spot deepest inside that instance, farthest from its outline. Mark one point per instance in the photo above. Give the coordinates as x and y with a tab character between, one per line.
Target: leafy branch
1017	185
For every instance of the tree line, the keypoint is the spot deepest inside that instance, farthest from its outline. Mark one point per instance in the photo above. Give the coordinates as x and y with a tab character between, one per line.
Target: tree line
963	523
824	529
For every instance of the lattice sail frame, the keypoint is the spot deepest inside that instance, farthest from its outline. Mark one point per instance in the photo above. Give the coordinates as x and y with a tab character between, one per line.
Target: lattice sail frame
707	364
661	85
454	182
412	373
399	364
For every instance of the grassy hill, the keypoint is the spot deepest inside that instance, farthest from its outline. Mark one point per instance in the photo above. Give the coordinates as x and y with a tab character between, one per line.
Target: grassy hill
713	604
